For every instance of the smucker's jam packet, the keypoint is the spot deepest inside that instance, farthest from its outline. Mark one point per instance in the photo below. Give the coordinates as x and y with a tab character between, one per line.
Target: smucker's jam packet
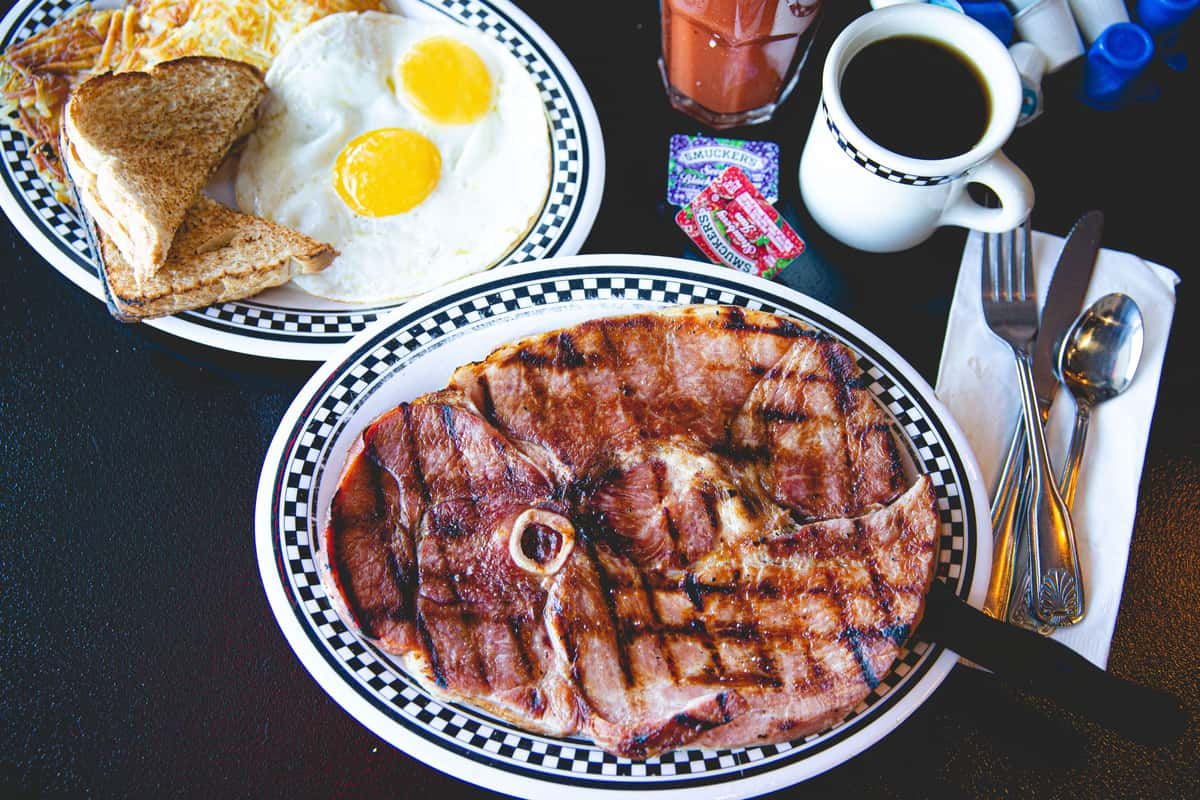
697	160
734	225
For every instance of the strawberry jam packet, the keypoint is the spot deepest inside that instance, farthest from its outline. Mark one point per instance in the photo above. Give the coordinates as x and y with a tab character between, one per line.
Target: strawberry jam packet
734	225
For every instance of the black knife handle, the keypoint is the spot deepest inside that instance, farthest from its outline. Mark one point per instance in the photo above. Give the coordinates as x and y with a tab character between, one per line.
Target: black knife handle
1041	666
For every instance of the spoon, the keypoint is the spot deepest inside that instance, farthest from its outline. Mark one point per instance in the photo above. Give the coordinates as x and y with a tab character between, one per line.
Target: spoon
1097	360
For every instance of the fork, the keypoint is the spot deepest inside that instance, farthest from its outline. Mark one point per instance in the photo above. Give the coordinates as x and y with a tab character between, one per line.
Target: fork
1009	300
1009	500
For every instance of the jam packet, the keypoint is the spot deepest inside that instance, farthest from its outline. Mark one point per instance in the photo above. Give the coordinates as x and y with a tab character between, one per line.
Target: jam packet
734	225
697	160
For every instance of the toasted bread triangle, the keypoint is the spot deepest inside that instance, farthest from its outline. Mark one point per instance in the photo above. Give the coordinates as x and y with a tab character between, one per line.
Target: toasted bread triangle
149	141
218	255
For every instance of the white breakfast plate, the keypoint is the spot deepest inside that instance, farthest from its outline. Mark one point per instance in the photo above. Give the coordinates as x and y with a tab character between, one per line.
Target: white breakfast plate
285	322
414	352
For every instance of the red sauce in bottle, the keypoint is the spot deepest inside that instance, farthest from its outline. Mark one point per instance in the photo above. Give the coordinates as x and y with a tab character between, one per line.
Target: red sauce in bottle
731	56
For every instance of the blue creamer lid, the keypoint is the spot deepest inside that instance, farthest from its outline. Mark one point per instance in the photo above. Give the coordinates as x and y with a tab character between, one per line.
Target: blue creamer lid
993	15
1114	61
1157	16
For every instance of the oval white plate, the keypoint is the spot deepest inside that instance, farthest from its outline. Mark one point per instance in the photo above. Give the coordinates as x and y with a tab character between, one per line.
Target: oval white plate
414	352
285	322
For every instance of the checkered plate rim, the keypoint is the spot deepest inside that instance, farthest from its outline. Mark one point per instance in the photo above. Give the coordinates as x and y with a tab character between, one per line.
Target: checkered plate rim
266	328
476	738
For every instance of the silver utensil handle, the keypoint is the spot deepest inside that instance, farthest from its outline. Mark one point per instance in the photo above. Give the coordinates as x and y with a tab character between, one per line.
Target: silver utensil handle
1069	478
1019	611
1057	587
1006	506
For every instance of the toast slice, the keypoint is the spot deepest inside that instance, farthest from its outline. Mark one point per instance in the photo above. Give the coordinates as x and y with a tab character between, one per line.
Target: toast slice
146	143
218	255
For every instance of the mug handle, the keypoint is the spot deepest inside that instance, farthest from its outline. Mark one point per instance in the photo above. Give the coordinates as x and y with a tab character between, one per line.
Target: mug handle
1010	185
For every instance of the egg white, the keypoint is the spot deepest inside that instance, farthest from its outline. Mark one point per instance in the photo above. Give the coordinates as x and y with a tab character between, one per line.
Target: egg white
336	80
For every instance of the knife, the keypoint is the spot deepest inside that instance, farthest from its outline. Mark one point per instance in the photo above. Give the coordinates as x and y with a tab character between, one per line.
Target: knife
1050	669
1064	300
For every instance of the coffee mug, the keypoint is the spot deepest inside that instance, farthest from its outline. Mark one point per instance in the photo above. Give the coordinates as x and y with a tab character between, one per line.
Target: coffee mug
875	199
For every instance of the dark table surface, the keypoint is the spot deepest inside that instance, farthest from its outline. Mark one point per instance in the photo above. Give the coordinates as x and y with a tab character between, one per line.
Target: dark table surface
139	656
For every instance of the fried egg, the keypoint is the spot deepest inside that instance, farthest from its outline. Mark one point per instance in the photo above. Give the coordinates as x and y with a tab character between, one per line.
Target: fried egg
419	149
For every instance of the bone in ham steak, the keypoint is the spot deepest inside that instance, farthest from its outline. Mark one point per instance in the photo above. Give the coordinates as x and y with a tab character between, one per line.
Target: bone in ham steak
677	528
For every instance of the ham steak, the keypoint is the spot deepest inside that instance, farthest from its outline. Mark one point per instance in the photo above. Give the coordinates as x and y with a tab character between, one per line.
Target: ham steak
687	527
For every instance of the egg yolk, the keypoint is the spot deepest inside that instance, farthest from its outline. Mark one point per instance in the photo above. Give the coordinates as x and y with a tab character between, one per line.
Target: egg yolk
446	80
386	171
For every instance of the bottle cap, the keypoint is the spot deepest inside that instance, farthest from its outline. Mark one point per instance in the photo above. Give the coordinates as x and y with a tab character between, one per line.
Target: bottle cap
1114	61
1158	16
993	15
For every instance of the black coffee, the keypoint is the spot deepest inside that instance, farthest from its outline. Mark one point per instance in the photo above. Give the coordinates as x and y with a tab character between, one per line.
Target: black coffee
916	97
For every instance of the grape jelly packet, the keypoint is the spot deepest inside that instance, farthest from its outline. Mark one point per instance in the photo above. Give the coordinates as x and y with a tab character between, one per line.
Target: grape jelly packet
733	224
696	160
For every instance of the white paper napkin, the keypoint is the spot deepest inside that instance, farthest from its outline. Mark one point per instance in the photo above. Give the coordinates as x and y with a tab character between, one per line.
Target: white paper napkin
977	382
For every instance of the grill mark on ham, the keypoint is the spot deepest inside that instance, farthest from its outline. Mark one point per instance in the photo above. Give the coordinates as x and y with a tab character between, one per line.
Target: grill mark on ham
884	594
839	599
708	496
435	661
700	631
610	357
529	358
517	631
608	592
448	424
533	386
894	467
659	469
767	655
781	373
465	617
855	637
450	527
744	631
818	677
568	356
736	321
836	361
703	714
401	574
567	638
688	721
695	592
402	581
661	631
781	415
487	405
751	629
377	485
414	455
510	474
696	625
400	578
